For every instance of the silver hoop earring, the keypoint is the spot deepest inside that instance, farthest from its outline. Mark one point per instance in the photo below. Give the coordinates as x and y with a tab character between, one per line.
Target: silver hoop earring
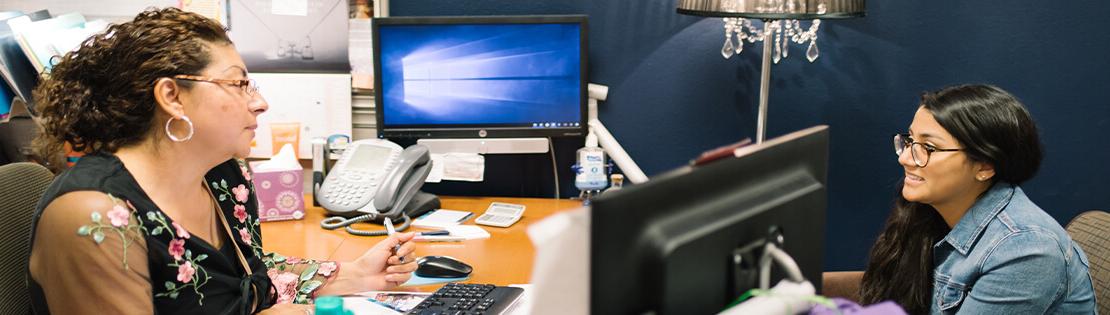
174	138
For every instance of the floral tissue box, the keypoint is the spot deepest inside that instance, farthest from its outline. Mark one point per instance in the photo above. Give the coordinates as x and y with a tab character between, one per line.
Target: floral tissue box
280	192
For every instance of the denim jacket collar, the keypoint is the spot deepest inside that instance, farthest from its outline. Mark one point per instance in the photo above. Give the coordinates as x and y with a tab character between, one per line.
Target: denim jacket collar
972	224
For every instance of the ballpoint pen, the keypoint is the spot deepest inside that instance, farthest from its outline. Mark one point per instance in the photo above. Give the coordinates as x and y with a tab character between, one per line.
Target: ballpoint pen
390	231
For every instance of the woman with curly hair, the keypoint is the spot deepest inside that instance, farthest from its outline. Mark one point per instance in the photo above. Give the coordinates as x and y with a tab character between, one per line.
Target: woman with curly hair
160	216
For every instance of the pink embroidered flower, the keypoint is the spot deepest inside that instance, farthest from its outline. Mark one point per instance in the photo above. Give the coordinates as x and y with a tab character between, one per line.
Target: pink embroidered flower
327	268
241	193
292	260
177	248
246	173
185	272
181	232
245	235
119	216
285	284
241	213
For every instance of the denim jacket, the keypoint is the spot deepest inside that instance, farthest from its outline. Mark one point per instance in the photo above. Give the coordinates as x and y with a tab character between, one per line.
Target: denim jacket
1007	256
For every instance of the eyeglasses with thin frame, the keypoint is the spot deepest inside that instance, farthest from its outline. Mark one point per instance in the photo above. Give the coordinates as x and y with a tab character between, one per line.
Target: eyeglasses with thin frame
249	86
919	151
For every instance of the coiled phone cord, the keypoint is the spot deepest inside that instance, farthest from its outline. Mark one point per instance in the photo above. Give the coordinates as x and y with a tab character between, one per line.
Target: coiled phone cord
336	222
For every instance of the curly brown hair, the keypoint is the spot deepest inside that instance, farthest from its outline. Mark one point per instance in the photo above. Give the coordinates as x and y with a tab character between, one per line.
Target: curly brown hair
100	97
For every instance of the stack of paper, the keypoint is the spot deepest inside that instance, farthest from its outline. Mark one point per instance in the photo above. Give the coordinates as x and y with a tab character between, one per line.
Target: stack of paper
441	218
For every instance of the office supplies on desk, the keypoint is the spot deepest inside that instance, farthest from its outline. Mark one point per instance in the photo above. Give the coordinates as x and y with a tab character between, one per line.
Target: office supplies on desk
438	238
279	187
441	218
501	214
441	267
456	233
390	231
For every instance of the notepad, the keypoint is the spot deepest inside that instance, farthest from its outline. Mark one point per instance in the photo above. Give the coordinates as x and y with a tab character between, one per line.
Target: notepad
441	218
456	233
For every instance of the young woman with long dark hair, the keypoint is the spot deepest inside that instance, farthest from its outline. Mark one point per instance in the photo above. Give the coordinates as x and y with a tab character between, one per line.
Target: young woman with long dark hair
963	237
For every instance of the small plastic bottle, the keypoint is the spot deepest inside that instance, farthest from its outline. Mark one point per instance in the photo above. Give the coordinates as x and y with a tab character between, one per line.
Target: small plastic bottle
591	177
616	181
331	305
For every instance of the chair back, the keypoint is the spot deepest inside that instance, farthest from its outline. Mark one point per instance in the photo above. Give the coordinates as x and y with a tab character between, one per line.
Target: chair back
21	187
1091	230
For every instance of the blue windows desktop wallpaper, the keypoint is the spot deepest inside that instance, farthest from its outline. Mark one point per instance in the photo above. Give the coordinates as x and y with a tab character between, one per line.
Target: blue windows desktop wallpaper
480	74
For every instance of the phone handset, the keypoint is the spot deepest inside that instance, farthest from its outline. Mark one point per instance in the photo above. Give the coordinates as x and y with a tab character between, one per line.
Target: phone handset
404	181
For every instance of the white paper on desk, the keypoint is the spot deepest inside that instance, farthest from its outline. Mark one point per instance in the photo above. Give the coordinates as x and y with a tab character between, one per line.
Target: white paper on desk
468	167
466	231
560	273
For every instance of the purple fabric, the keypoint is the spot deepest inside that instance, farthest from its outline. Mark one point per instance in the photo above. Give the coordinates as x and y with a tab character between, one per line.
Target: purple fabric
846	307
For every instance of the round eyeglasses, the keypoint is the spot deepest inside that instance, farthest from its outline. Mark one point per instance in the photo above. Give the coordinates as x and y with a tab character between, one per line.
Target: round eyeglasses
248	86
919	151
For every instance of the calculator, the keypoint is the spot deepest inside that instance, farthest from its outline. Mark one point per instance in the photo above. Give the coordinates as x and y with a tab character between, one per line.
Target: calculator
501	214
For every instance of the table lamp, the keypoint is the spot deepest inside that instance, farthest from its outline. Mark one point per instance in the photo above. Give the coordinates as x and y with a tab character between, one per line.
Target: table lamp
780	23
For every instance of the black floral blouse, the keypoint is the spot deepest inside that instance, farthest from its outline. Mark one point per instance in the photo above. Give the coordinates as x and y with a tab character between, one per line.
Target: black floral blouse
187	274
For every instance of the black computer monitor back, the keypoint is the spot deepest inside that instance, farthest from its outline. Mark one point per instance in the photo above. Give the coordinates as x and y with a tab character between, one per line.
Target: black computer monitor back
669	246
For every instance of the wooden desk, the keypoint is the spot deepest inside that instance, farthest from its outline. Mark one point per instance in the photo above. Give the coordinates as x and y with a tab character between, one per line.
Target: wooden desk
504	258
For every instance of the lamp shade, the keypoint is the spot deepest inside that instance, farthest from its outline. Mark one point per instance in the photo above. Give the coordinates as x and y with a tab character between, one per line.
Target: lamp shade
774	9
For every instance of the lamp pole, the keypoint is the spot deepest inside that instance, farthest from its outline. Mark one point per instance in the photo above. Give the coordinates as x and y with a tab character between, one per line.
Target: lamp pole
764	85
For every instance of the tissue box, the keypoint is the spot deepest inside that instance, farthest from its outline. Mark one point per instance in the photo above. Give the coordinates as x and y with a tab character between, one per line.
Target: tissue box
280	192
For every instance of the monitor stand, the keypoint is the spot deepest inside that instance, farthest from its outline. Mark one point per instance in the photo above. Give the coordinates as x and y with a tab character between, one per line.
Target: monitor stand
486	145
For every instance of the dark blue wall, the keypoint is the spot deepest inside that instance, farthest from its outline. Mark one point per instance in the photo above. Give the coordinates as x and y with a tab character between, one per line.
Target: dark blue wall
672	95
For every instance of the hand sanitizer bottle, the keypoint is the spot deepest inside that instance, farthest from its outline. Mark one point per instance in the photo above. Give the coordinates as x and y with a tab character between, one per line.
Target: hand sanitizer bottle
591	178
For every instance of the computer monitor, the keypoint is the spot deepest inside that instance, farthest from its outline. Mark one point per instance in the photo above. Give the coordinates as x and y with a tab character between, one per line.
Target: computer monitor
480	77
670	246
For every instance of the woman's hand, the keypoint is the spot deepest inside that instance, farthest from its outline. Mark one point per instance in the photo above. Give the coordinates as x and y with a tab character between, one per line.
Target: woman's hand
378	269
386	269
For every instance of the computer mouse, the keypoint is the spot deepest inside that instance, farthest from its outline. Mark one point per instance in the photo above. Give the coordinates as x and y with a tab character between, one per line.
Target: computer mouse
441	267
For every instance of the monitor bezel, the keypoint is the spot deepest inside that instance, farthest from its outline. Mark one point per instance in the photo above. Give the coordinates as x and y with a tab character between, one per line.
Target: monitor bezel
489	131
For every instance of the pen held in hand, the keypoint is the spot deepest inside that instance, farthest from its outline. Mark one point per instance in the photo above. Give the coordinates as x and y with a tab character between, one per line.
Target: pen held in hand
389	230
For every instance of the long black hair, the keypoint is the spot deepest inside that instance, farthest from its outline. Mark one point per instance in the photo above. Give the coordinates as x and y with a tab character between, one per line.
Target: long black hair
993	127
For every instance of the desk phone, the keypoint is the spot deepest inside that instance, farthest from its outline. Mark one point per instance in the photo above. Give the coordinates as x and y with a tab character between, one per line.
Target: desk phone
374	176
